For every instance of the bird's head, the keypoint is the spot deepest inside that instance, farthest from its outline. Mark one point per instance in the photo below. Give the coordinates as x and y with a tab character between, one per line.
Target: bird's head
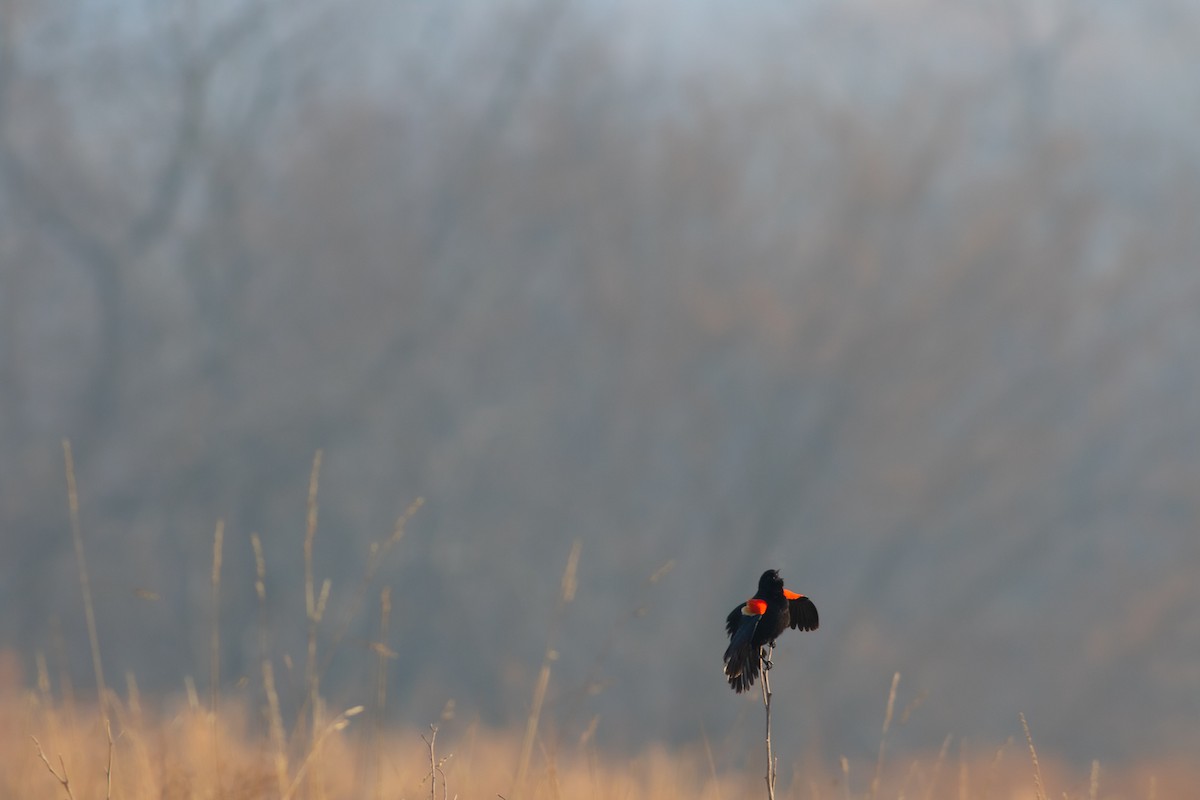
770	582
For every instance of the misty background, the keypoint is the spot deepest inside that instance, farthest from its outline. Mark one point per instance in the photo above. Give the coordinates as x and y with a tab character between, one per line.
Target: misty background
901	298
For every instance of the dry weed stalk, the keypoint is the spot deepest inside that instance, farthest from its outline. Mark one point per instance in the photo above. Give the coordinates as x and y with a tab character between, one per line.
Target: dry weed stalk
62	779
435	765
764	662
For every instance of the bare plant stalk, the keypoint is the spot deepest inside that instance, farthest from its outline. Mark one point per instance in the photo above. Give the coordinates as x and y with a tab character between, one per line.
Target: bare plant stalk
108	766
435	765
763	661
62	779
887	723
432	760
1037	770
85	585
569	584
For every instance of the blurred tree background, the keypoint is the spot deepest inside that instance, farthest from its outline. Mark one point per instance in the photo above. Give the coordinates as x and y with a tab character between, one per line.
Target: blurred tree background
901	298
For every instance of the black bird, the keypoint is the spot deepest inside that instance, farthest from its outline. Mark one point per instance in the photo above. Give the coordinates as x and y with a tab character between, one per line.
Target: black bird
758	622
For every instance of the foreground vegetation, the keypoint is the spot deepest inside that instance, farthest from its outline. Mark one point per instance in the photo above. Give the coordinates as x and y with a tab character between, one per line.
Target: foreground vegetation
239	741
190	752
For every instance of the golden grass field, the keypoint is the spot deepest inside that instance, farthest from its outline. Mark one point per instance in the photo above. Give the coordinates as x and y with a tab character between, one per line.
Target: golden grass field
189	752
58	742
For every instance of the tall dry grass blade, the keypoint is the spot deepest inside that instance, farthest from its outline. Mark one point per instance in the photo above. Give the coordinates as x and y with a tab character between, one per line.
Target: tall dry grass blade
314	611
352	608
108	765
382	654
531	724
85	585
1037	770
260	589
887	723
275	717
569	580
549	755
1094	783
709	760
338	723
310	599
310	533
937	767
567	594
279	757
43	679
993	773
317	607
374	559
193	697
134	696
58	645
214	667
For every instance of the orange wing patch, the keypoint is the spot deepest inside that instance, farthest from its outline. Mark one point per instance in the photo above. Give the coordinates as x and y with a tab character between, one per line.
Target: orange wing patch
790	595
755	607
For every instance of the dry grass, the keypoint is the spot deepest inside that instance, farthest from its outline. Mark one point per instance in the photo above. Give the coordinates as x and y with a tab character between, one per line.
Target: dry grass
236	747
171	756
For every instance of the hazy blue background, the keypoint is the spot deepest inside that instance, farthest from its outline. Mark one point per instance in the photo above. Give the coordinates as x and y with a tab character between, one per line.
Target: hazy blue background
902	298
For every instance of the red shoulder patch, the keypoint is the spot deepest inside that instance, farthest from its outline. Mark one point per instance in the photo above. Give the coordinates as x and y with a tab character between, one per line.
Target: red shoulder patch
755	607
790	595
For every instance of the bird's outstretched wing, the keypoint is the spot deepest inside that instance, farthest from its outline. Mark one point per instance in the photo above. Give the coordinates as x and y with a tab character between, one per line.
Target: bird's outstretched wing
802	612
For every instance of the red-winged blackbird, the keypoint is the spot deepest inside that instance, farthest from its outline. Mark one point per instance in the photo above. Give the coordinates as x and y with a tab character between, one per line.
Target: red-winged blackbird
758	622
